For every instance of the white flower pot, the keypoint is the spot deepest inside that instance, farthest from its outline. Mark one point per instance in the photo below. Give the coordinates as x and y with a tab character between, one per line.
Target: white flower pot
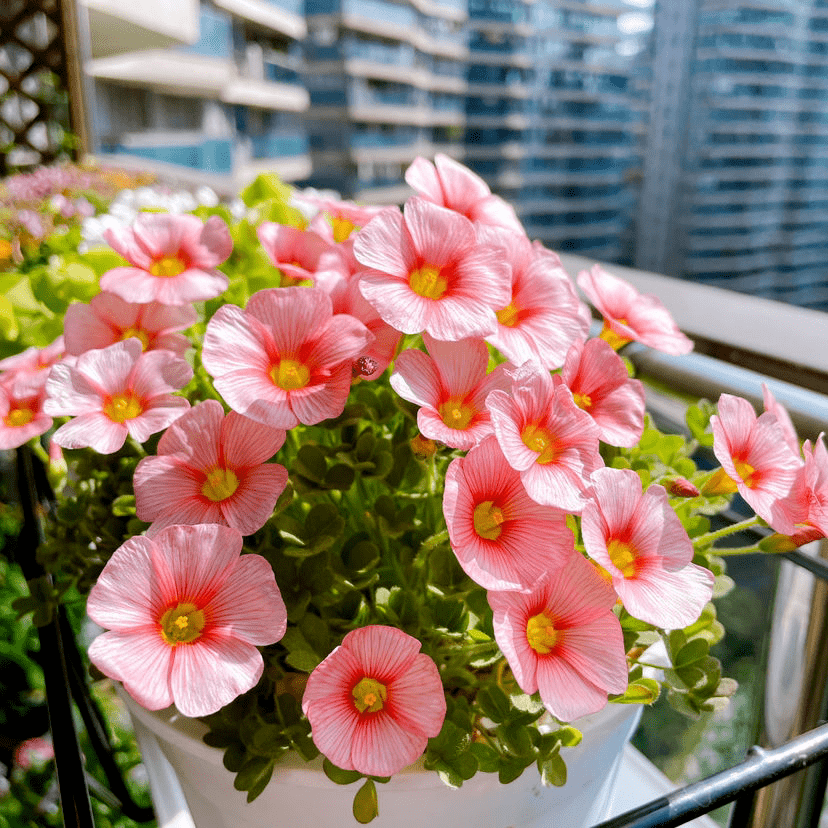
300	795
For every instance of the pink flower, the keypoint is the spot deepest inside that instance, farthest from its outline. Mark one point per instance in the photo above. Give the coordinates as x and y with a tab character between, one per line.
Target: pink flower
501	537
375	701
544	316
630	315
108	319
113	392
450	184
294	251
429	273
755	456
286	358
782	418
185	613
450	384
172	257
639	541
810	493
211	469
22	417
601	386
561	638
546	437
336	220
36	362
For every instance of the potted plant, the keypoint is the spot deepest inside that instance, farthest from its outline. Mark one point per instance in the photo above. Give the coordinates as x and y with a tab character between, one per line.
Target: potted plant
386	503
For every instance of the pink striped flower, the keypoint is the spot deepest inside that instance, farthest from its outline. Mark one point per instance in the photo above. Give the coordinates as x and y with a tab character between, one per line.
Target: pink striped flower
375	701
337	220
450	384
294	251
286	358
756	457
449	184
173	259
185	613
562	638
501	537
22	395
428	272
546	437
601	386
630	315
108	319
36	362
113	392
211	469
544	315
639	541
782	418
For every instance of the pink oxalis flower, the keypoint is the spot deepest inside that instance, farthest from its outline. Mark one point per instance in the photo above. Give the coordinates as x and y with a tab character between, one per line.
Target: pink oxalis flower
185	613
546	437
449	184
630	315
428	272
337	220
108	319
544	316
116	391
22	417
211	469
501	537
375	701
601	386
450	384
294	251
286	358
639	541
562	638
173	259
35	362
756	457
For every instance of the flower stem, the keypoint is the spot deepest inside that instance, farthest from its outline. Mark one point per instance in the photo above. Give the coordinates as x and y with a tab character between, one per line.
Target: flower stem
711	537
728	551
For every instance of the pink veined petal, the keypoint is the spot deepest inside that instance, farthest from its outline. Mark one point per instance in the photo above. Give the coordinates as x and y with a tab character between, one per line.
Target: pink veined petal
507	423
381	747
250	606
418	702
739	415
83	330
416	378
258	399
168	486
379	246
422	176
291	315
248	443
94	430
395	301
69	392
439	235
141	660
782	417
160	412
618	492
195	434
461	364
192	285
431	425
565	693
251	505
311	405
334	722
159	372
561	484
214	244
596	651
672	600
110	369
343	337
383	652
190	512
211	672
668	539
123	596
460	185
235	342
511	613
14	437
131	284
122	241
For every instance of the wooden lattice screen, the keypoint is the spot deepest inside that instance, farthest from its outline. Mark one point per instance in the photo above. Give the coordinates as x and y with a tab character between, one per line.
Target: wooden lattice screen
38	57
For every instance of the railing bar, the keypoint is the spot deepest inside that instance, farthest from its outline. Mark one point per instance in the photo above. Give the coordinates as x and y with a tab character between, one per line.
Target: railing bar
760	768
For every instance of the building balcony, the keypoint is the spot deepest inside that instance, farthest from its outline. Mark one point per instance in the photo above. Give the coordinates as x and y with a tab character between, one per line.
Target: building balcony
286	18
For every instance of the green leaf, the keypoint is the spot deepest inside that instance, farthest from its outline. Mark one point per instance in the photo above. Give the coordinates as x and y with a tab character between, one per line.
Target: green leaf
310	462
265	187
487	757
338	775
690	653
493	702
366	805
254	776
124	505
553	770
642	691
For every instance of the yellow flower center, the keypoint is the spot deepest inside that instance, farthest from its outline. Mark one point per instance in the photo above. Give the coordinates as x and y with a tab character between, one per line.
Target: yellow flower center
427	282
746	472
623	556
136	333
220	484
488	520
290	374
369	695
182	624
456	413
18	417
167	267
539	439
342	228
612	338
541	634
123	407
582	400
510	315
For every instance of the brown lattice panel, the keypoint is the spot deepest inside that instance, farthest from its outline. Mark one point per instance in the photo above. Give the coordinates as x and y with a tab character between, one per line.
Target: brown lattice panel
34	111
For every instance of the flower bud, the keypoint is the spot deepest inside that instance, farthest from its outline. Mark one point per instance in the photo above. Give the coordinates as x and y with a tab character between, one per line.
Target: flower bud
423	447
779	544
682	487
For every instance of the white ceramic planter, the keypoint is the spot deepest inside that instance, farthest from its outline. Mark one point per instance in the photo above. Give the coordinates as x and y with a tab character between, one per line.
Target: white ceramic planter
300	796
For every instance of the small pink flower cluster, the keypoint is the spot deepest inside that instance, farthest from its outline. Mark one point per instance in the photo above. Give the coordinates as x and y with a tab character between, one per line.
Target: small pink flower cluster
185	612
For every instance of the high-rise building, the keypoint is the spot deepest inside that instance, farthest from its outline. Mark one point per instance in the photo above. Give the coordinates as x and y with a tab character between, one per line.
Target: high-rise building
219	109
